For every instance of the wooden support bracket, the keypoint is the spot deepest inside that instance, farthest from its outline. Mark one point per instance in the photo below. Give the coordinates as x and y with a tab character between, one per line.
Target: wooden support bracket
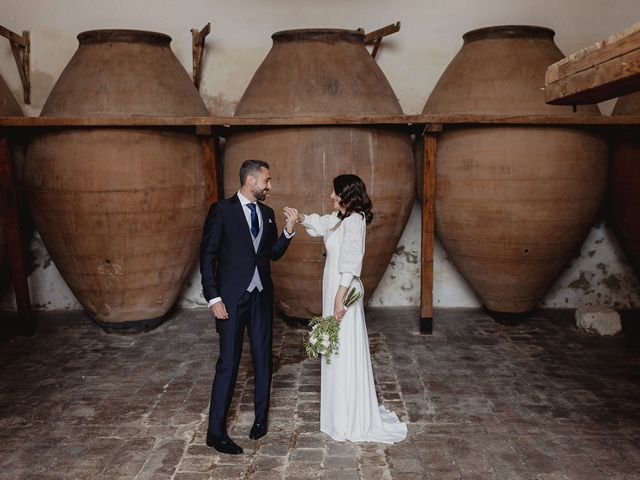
21	48
375	38
197	45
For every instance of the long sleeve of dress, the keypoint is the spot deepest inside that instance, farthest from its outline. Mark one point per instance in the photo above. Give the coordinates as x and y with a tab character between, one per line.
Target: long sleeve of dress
352	251
318	225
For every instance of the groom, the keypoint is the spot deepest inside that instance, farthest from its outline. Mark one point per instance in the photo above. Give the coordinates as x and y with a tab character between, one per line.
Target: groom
240	238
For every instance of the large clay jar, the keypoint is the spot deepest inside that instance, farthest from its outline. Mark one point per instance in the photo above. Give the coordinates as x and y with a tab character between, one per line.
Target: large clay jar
120	210
513	203
327	72
624	180
9	107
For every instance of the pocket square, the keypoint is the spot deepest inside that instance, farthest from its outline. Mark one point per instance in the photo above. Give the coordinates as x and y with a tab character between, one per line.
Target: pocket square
270	221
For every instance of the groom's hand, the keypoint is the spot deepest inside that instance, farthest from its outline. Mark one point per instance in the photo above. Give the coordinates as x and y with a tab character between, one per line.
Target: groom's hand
219	311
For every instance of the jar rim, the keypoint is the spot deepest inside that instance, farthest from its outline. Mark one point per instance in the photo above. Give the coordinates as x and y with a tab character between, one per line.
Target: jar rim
508	31
122	35
315	34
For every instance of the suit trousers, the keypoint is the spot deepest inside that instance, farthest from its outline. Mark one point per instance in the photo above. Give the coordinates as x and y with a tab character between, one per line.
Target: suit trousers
254	311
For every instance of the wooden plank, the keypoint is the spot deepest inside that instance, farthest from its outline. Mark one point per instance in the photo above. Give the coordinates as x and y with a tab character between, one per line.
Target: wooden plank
428	233
12	229
605	70
201	121
616	77
410	121
614	46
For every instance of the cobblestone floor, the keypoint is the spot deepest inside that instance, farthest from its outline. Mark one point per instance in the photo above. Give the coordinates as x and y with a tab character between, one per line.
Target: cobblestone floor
483	401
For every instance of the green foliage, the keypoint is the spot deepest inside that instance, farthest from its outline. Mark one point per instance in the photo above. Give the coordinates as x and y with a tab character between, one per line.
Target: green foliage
324	335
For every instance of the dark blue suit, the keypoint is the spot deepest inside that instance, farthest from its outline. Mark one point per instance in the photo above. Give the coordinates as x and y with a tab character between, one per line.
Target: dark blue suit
228	261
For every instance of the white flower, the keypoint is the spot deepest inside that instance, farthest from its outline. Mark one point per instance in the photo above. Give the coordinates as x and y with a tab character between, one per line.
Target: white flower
325	337
325	343
313	340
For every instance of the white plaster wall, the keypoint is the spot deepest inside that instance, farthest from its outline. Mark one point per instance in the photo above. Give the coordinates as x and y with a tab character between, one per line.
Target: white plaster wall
412	59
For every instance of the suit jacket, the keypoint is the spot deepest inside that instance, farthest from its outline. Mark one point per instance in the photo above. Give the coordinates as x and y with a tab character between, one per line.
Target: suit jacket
228	258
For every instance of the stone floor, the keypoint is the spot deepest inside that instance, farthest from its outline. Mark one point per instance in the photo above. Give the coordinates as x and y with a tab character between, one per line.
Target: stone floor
483	401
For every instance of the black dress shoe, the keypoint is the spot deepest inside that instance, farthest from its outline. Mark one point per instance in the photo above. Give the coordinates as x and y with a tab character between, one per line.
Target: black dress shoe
258	430
223	444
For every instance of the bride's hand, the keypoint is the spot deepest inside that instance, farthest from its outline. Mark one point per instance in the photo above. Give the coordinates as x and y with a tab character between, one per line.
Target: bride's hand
338	305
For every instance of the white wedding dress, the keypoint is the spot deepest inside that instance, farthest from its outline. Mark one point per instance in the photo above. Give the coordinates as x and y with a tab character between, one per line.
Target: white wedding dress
349	407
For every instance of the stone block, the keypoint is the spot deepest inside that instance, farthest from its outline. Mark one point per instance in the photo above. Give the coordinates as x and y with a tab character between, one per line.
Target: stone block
600	320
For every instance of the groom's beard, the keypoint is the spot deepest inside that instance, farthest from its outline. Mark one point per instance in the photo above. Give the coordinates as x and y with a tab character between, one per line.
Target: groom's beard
260	195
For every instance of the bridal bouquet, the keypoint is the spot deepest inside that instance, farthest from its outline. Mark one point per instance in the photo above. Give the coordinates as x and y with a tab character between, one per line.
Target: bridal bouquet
323	337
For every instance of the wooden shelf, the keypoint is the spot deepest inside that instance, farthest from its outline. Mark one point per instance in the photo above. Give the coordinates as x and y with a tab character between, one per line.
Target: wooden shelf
212	127
607	69
363	120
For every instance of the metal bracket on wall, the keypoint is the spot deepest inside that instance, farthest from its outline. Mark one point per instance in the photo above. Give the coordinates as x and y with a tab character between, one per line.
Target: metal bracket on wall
21	48
375	38
197	45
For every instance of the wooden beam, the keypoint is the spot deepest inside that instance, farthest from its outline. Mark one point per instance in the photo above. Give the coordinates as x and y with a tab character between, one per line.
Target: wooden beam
611	79
428	231
412	121
605	70
11	220
211	166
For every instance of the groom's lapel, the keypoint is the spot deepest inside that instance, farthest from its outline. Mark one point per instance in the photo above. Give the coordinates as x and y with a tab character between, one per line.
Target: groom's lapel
240	217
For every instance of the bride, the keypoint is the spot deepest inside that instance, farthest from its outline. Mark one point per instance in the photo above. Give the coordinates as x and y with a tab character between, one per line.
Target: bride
349	408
